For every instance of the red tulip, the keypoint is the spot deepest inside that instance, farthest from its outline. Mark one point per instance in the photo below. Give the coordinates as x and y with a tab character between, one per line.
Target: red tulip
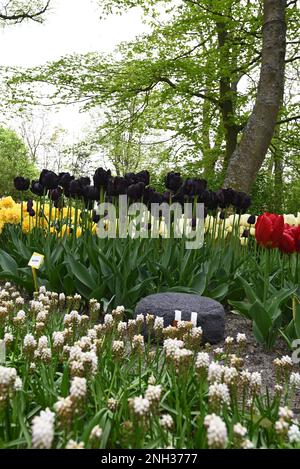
296	233
287	242
269	229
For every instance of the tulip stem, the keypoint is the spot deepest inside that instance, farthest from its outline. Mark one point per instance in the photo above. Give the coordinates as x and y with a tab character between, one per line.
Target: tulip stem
267	275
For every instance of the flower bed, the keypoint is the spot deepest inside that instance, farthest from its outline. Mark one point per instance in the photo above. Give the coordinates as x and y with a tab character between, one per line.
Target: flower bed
70	381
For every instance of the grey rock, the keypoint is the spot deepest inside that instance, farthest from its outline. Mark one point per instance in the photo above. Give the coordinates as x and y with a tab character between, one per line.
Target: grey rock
210	313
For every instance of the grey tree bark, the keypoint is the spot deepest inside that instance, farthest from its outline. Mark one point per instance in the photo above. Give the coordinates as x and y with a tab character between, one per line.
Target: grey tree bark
249	155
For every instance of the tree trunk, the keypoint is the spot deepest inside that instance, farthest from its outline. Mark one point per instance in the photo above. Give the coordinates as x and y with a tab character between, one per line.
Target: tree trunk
249	155
226	94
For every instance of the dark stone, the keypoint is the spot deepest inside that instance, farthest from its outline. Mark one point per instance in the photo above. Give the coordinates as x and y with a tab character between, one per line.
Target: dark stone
210	313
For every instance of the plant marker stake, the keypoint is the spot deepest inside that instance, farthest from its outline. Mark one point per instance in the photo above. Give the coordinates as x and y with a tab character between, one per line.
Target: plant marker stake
35	263
35	279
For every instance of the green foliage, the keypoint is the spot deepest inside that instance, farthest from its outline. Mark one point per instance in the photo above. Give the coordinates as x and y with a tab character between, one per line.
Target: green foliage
14	160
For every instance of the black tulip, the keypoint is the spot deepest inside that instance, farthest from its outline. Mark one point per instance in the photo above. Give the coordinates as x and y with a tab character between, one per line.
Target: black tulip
101	178
84	181
143	176
64	180
91	193
130	178
245	234
29	205
55	194
75	189
189	187
222	215
251	220
37	188
95	217
173	181
49	179
200	186
136	191
21	184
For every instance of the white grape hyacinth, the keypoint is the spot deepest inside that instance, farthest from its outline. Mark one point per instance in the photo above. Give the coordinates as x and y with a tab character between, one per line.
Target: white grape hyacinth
216	431
43	430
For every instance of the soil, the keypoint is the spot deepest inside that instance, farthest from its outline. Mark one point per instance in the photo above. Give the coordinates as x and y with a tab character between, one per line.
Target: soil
256	357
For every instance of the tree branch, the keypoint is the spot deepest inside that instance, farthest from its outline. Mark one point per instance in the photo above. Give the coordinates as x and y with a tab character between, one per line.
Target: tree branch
23	15
289	119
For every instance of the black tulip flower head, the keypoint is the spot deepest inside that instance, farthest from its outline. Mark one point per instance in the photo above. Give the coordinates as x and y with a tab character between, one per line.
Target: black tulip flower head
29	205
37	188
178	198
136	191
64	180
167	196
245	234
241	201
75	189
91	193
148	194
143	176
189	187
210	200
156	198
251	220
222	203
131	178
101	178
173	181
117	186
21	184
222	215
95	217
84	181
55	194
228	195
200	186
49	179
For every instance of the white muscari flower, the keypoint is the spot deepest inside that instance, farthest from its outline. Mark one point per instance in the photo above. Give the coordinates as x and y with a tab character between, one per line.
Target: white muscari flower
122	327
43	430
216	431
166	422
18	384
29	342
295	380
58	339
215	372
108	319
158	323
8	338
239	430
43	342
285	413
230	375
255	380
171	345
153	393
202	361
78	388
241	338
72	444
140	406
96	433
294	434
219	392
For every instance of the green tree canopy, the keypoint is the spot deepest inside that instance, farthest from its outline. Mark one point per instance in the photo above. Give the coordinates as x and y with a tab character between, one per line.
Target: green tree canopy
14	161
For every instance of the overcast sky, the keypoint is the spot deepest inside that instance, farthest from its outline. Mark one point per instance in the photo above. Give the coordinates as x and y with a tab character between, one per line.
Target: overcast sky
70	26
